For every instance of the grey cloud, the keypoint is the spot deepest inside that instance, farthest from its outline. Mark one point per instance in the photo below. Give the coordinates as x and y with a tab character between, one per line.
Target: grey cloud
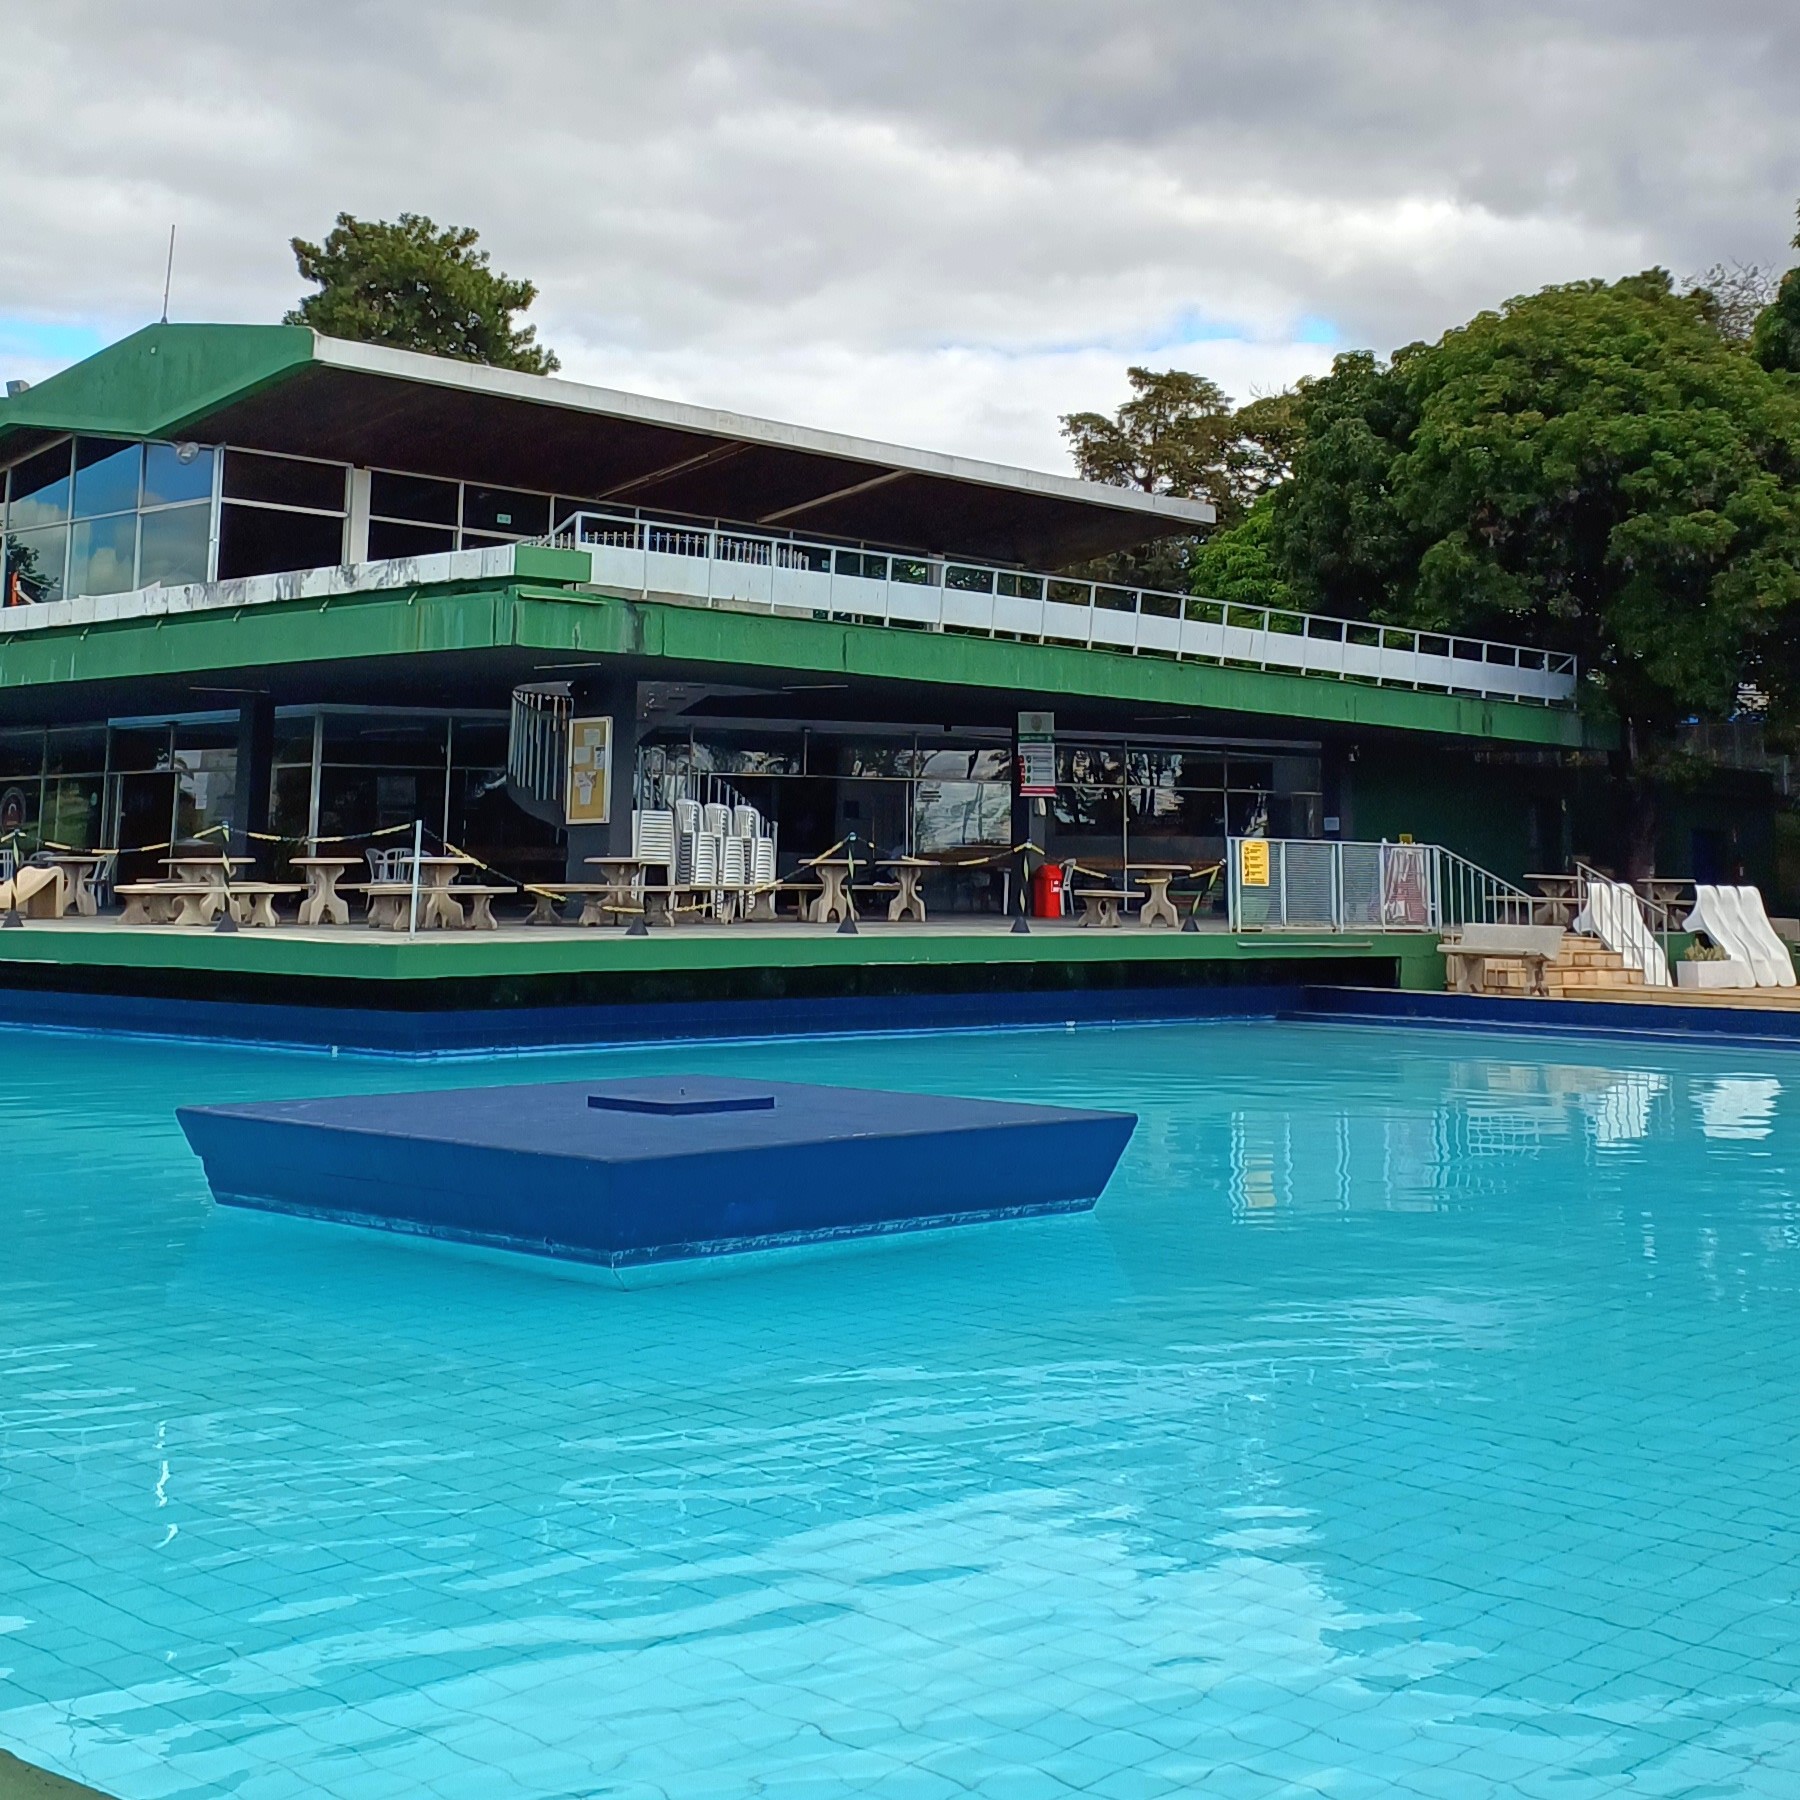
729	192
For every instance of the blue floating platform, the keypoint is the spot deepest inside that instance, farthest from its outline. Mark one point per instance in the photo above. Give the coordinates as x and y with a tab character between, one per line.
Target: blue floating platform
657	1168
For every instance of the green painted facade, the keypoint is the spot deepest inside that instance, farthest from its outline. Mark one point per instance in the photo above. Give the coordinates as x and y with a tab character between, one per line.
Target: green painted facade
573	621
359	954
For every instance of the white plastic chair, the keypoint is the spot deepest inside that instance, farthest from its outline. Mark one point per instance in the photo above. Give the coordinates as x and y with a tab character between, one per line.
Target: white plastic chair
746	822
653	838
716	819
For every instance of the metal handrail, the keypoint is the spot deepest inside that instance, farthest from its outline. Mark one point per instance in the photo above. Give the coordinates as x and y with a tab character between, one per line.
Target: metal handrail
1369	886
943	593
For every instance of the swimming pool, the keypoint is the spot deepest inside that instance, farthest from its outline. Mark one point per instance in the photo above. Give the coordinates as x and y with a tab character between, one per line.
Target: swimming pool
1418	1412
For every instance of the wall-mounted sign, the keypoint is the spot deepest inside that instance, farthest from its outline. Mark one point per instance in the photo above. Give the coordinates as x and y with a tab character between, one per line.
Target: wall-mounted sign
1253	862
590	770
1037	753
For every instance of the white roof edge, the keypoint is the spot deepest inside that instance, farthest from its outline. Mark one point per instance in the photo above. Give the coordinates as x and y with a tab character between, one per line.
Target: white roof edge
552	390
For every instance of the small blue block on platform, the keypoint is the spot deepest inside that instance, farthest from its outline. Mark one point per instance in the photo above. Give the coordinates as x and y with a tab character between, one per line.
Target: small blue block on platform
655	1168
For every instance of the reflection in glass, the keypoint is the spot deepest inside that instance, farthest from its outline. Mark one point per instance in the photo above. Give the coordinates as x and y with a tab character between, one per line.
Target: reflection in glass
285	481
21	753
78	750
177	472
34	564
950	814
72	811
415	498
106	479
102	554
40	490
173	546
205	785
254	540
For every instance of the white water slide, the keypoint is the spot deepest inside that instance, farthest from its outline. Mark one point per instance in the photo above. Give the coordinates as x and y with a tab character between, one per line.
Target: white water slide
1612	914
1734	919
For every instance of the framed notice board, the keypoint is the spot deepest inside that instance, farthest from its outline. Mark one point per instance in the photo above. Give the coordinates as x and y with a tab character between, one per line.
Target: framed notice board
585	796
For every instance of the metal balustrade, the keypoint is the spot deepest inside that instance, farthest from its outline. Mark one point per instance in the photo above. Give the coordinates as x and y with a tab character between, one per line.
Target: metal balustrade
719	566
1322	884
537	743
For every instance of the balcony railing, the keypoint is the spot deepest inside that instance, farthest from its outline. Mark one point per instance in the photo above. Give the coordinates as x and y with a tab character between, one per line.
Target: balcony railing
722	566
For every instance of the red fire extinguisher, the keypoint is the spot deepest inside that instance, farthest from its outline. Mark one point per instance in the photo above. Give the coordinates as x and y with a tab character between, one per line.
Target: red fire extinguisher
1046	891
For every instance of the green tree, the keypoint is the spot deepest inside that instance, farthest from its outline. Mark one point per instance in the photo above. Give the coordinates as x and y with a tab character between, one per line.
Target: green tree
1594	468
1179	434
413	285
1775	340
1239	565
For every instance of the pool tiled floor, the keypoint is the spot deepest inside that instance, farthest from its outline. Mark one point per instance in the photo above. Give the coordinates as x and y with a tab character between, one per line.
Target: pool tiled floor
1417	1414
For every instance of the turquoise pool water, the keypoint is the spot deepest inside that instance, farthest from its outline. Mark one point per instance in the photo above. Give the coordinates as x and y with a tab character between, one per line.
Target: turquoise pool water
1417	1413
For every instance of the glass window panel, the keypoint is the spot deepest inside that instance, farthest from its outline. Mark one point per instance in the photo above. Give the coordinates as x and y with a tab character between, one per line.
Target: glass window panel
106	478
290	800
177	472
506	511
284	481
389	540
1193	771
378	741
140	747
34	564
77	750
948	814
72	811
478	743
205	786
414	498
195	735
1089	765
19	809
1258	775
293	738
256	541
21	753
1090	811
986	764
1172	812
475	540
1247	814
40	490
102	554
172	546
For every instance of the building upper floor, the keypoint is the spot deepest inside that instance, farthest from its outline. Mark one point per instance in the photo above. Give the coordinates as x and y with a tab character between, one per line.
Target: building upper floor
214	467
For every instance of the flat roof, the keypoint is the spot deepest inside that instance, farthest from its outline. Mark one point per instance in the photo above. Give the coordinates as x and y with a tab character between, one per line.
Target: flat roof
286	388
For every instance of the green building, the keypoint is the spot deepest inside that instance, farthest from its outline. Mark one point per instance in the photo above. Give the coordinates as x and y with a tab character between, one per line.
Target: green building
302	588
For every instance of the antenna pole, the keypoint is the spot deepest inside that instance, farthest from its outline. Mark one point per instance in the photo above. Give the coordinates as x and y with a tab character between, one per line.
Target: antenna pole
168	275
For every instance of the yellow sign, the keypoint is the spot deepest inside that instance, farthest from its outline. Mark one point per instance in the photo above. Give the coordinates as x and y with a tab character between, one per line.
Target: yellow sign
590	769
1253	862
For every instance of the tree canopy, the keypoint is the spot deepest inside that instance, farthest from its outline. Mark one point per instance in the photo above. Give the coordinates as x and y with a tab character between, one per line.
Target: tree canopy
1775	338
413	285
1593	468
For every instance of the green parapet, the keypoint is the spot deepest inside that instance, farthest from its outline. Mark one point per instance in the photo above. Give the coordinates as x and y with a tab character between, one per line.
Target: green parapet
534	615
156	382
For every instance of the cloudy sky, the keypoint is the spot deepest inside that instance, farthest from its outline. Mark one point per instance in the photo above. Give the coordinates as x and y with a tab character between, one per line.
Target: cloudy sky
943	223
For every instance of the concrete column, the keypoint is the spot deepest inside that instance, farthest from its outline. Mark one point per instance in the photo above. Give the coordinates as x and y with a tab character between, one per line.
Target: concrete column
255	764
615	697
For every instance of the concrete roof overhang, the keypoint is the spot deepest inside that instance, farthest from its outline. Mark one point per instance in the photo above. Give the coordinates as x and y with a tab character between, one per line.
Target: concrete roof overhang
286	389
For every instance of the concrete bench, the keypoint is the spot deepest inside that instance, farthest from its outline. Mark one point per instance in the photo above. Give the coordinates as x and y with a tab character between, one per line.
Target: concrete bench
253	902
1102	906
1467	955
169	902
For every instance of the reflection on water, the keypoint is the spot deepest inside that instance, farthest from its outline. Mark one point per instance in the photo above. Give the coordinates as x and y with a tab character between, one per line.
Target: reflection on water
1416	1413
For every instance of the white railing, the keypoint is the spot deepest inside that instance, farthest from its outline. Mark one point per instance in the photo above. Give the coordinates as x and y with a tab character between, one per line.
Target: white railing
717	565
1321	884
537	742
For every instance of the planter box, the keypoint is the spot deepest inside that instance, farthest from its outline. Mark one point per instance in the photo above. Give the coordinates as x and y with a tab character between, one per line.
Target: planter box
1714	975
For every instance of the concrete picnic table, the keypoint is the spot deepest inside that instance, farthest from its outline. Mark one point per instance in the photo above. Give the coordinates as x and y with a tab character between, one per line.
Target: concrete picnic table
323	904
907	870
79	868
1155	877
834	901
205	880
390	902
